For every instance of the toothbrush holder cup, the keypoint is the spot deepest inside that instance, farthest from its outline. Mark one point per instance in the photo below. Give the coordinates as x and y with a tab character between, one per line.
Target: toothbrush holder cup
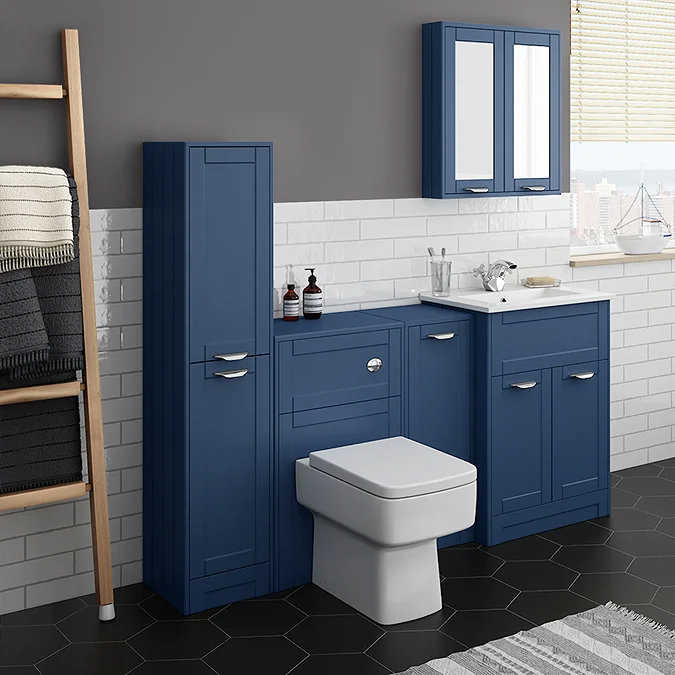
440	277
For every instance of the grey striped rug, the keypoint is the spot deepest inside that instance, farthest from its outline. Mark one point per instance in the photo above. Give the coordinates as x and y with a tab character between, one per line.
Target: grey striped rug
609	640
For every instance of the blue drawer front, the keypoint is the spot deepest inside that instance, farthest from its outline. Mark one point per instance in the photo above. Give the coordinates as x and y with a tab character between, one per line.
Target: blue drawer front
328	371
548	337
298	434
221	589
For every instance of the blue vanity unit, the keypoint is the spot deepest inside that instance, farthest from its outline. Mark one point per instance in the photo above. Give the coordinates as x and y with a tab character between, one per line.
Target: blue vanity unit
541	417
207	377
491	110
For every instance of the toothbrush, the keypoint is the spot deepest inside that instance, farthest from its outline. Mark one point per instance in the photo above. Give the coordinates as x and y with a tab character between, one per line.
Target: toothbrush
432	253
443	254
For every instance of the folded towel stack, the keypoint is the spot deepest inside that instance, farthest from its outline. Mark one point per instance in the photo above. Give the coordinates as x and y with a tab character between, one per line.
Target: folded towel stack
40	343
36	227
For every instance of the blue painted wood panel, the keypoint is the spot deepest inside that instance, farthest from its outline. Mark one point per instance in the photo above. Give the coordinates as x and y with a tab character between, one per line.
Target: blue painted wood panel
297	435
221	589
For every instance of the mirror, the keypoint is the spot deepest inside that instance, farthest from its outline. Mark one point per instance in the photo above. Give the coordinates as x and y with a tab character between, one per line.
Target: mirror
531	132
474	111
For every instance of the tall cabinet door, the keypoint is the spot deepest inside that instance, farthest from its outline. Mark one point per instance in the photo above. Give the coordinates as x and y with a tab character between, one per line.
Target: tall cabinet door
229	465
580	429
532	112
521	441
230	251
439	394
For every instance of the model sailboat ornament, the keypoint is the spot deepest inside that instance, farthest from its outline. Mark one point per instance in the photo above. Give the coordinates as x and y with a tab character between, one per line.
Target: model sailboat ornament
652	229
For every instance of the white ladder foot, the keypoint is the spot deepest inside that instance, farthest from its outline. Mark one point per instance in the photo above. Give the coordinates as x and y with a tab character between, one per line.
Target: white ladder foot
106	612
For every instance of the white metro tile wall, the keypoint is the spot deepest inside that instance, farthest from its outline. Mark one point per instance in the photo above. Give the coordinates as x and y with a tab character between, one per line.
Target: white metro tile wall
368	254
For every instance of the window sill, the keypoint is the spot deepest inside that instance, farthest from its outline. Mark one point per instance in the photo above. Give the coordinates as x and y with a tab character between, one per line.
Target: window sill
619	258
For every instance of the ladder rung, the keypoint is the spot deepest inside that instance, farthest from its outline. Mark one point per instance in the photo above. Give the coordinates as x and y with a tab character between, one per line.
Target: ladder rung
40	393
45	495
51	91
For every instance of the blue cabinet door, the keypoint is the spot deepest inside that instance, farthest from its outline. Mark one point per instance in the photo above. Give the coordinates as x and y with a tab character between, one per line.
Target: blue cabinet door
229	465
580	429
230	285
521	441
298	434
531	156
439	387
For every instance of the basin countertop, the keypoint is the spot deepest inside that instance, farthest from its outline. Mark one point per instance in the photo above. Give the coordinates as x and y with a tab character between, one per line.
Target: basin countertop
514	298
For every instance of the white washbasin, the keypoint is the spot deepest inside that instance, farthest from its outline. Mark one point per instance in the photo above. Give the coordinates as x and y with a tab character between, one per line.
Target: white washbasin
514	298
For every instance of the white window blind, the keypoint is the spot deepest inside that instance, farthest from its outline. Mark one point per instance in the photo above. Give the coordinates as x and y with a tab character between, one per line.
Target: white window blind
622	85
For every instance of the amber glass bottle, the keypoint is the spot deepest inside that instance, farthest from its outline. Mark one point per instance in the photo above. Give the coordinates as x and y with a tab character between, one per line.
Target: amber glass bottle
291	304
312	298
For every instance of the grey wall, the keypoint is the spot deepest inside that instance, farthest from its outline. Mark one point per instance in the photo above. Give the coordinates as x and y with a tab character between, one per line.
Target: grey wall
335	85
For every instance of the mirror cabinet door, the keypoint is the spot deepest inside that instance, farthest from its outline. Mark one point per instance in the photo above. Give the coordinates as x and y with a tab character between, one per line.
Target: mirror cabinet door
477	106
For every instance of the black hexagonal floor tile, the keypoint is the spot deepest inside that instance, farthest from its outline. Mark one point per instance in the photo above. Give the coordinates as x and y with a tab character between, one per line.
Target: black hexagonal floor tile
536	575
85	626
643	543
648	486
667	463
655	614
667	526
467	562
614	480
639	471
278	595
477	593
665	599
543	606
431	622
621	498
126	595
20	670
618	587
183	667
527	548
660	571
593	559
339	664
242	619
26	645
158	608
46	615
177	640
478	627
668	474
269	655
102	658
659	506
398	651
579	533
346	633
314	600
624	519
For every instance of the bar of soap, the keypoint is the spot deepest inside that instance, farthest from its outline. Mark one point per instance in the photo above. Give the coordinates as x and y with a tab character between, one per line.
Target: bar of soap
540	281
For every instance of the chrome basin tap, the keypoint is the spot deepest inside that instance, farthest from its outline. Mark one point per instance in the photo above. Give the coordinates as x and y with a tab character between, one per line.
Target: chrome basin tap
494	277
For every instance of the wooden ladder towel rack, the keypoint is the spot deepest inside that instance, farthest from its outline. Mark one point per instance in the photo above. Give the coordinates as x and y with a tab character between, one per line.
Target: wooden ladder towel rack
71	91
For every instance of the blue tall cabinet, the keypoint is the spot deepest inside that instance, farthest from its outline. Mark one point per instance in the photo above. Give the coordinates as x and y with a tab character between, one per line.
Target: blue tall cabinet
491	110
207	255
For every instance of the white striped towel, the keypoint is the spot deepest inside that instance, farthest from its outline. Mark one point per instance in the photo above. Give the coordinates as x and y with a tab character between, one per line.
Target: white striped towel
36	223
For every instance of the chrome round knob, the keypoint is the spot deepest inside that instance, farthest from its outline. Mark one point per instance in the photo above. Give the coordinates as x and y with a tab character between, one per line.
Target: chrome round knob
374	365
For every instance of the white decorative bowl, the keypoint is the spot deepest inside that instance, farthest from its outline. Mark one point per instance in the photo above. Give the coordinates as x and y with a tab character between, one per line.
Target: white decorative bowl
636	244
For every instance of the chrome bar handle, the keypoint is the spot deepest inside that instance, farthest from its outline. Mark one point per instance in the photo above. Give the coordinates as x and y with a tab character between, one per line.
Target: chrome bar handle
231	374
441	336
237	356
476	189
583	376
524	385
534	188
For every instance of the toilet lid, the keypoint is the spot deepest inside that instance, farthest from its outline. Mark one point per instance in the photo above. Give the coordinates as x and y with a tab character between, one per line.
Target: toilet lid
394	467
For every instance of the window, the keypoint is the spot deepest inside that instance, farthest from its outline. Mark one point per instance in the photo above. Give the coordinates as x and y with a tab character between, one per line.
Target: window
622	113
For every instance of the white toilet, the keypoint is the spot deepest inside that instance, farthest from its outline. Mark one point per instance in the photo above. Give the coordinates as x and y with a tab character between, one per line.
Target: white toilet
378	509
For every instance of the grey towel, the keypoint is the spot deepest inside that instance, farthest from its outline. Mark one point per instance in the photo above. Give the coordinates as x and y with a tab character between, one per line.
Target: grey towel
56	290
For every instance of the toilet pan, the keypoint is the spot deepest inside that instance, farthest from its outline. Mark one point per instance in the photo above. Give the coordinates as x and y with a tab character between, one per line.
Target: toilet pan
378	509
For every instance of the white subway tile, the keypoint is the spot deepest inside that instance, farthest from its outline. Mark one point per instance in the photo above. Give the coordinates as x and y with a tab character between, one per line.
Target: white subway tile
131	337
124	456
105	242
544	203
496	241
616	375
328	273
661	316
362	208
132	432
359	250
20	523
31	571
558	255
12	600
616	339
280	235
562	272
619	461
362	291
412	247
524	257
131	289
598	272
651	334
646	439
411	288
661	350
132	479
438	225
302	255
624	285
132	384
646	300
616	445
502	222
629	425
59	589
660	384
543	238
661	418
132	573
58	541
647	268
628	390
662	282
487	204
658	453
317	232
396	268
131	241
11	551
615	410
647	369
559	219
390	228
287	212
625	320
636	406
132	526
424	207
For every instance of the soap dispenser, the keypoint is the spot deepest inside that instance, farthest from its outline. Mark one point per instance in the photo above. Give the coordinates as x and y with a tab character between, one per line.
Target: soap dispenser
312	298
